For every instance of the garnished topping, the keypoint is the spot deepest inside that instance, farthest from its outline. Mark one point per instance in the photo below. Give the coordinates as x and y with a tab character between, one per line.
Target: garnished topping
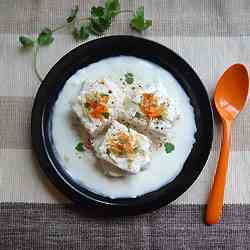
96	105
169	147
129	78
79	147
151	107
123	144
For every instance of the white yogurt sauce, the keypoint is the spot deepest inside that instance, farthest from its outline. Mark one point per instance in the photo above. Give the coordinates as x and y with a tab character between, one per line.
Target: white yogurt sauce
83	167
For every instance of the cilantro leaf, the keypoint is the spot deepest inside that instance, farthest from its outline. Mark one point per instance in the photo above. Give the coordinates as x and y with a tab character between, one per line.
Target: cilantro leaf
138	22
99	24
129	78
81	34
26	41
112	7
84	32
169	147
73	14
101	17
79	147
147	24
97	11
45	37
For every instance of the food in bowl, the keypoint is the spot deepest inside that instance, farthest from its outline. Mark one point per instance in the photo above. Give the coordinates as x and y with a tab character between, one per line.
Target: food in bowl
98	104
150	110
124	149
123	127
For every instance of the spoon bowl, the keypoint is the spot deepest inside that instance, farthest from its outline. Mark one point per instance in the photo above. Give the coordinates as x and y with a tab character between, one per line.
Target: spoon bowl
231	91
230	97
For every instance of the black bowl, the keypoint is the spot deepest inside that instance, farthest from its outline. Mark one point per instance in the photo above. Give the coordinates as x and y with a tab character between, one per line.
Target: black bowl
94	51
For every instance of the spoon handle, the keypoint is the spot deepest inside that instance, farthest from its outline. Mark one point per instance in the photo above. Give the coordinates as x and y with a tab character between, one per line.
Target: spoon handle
215	201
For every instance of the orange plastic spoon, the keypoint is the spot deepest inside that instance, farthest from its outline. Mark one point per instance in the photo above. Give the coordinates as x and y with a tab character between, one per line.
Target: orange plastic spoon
230	96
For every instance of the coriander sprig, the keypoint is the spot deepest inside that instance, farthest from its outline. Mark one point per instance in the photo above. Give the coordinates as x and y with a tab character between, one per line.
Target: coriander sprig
81	28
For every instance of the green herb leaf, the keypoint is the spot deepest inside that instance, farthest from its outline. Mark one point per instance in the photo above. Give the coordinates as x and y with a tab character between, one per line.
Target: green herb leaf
79	147
84	32
129	78
99	24
105	115
26	41
103	94
81	34
147	24
73	14
101	18
45	37
112	7
97	11
138	23
129	75
169	147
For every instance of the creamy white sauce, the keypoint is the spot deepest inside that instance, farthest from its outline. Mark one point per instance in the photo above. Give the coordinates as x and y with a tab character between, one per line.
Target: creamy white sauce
83	167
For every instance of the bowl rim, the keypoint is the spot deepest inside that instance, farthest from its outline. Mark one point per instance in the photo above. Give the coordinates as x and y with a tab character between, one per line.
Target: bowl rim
87	198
